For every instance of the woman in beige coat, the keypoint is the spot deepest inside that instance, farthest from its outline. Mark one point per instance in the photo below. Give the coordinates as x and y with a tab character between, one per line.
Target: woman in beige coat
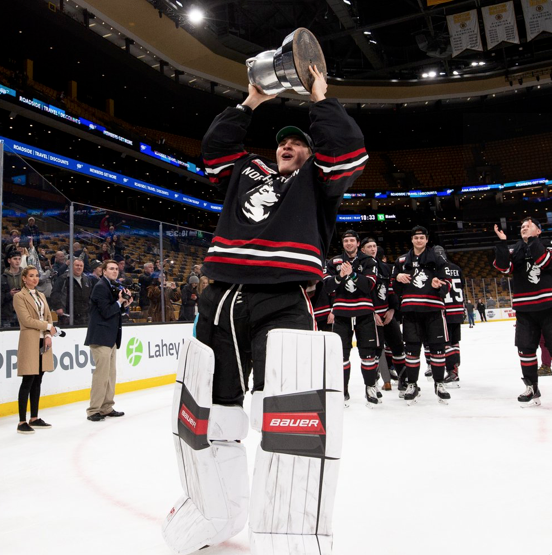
36	326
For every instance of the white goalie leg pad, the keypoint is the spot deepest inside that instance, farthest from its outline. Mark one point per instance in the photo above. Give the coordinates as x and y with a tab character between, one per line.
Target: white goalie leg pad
212	465
256	411
297	463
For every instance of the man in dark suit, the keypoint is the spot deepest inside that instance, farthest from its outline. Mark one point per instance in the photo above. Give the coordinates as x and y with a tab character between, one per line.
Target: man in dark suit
104	338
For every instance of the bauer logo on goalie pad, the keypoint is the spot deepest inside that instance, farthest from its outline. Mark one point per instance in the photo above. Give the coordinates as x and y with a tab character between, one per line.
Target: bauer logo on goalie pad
193	421
295	424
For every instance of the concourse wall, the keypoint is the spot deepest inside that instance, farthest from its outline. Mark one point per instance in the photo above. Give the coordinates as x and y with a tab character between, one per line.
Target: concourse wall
148	357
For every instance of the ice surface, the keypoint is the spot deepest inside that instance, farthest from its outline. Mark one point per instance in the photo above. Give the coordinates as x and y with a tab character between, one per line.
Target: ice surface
473	477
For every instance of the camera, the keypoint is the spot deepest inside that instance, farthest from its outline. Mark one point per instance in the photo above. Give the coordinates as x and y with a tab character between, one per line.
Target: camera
116	287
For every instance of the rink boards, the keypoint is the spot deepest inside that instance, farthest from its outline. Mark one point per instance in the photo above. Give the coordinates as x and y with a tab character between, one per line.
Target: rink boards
148	357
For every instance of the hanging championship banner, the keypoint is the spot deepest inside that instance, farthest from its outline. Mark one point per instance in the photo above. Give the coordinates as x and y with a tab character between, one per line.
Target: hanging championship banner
500	24
464	32
538	17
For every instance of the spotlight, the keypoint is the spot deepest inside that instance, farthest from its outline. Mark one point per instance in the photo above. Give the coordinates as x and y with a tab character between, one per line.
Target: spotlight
195	15
432	74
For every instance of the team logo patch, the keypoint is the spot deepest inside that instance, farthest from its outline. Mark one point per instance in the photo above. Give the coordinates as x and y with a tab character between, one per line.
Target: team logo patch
533	273
350	286
382	291
258	202
420	279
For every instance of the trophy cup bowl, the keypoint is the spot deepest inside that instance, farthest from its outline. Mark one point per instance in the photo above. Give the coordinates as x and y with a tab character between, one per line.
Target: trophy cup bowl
274	71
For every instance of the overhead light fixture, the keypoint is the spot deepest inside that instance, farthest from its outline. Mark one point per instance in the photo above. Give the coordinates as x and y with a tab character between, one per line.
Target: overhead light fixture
367	32
432	74
373	41
425	75
482	63
347	2
179	3
195	16
474	64
456	72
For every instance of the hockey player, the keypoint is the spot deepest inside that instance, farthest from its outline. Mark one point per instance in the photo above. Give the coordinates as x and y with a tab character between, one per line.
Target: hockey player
351	279
272	236
529	263
454	313
385	304
421	284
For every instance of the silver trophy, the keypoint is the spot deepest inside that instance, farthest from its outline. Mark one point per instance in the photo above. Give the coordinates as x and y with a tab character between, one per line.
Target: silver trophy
275	71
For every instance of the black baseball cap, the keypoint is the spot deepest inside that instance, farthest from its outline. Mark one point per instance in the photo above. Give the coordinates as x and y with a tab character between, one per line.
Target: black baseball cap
419	230
291	130
351	233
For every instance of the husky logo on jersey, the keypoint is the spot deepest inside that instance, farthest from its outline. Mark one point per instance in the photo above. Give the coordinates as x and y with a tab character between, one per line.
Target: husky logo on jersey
382	291
420	279
258	202
359	270
350	286
533	273
263	167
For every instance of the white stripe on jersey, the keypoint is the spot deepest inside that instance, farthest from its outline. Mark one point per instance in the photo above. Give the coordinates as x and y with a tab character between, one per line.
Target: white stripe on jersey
214	171
267	254
328	169
533	297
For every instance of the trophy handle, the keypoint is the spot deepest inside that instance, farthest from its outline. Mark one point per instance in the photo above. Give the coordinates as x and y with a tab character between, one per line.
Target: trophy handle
250	62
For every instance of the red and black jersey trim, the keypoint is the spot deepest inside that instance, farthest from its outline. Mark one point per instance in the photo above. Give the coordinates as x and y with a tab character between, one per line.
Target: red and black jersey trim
221	167
300	257
507	270
539	297
359	304
333	168
454	309
428	301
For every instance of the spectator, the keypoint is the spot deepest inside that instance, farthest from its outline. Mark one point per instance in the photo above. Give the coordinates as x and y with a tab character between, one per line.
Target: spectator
105	253
481	310
110	247
96	274
129	265
45	274
203	283
104	226
118	246
123	279
81	296
59	266
189	295
79	252
11	284
157	269
145	281
491	303
196	270
31	231
171	294
34	353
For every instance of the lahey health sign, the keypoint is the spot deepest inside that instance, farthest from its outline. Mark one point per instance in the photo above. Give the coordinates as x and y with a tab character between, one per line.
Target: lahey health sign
146	352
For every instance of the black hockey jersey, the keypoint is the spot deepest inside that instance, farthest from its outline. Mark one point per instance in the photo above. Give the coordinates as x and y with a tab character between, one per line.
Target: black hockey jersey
454	301
529	263
352	294
419	295
273	228
383	295
321	303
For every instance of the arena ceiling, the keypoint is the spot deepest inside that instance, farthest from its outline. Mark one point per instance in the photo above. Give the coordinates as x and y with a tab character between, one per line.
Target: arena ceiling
363	40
